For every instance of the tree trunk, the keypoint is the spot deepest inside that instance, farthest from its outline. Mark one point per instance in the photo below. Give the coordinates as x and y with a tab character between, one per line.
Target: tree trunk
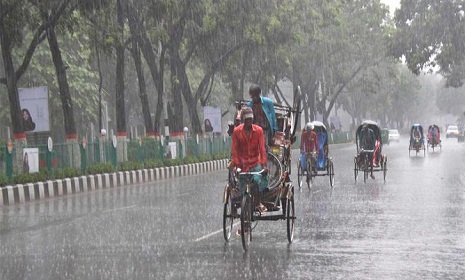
66	101
142	88
139	32
119	90
176	121
10	75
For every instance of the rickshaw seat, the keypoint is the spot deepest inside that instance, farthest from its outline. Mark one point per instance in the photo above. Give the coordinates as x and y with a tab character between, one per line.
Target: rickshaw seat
322	138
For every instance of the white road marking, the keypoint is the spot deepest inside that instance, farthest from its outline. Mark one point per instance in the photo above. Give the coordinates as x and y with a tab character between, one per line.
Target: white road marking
116	209
213	233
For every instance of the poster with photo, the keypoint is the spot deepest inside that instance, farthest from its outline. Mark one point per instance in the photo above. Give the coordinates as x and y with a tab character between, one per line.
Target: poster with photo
30	160
34	109
212	119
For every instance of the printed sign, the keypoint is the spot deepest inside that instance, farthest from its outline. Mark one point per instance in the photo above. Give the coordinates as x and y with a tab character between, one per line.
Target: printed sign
212	119
30	160
34	109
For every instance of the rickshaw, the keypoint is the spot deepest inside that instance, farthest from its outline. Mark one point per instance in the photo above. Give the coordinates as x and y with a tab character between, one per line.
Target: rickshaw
321	165
417	140
278	197
433	137
368	161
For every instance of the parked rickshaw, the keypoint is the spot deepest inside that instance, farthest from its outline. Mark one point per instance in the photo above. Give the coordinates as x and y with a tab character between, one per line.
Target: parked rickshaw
279	195
368	161
433	138
317	165
417	140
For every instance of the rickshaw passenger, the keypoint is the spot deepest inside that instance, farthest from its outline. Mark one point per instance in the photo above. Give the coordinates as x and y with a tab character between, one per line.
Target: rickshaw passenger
248	152
264	113
367	142
308	144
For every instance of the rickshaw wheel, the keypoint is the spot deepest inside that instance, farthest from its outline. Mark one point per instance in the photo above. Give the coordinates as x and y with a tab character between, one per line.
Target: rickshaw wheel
365	168
299	174
228	219
275	170
246	221
309	174
355	169
384	167
331	173
290	217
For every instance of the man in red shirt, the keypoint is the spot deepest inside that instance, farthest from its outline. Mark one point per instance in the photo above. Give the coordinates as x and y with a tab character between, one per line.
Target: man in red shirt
309	143
248	151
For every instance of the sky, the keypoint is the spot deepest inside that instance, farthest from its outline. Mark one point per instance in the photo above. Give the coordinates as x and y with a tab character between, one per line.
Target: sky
393	4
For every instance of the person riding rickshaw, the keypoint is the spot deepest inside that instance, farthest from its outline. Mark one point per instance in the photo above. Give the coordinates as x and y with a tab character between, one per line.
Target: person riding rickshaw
417	139
369	144
319	163
433	137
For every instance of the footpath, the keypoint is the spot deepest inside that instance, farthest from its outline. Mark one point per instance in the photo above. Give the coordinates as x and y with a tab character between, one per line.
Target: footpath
21	193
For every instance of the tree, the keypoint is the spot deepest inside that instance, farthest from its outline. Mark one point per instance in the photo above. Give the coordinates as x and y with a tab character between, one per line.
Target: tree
429	34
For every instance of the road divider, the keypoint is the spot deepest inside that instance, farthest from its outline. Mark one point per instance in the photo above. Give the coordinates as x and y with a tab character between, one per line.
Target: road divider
21	193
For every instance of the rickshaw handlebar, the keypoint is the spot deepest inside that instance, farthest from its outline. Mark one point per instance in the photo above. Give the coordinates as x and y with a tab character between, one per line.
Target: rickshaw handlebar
250	172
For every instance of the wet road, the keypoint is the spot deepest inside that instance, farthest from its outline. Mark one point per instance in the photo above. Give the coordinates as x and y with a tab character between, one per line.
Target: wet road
410	227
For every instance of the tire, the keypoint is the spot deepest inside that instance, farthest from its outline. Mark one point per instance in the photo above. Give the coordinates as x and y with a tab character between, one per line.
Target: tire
309	174
365	169
299	174
424	150
355	169
331	173
290	217
384	169
228	219
275	170
246	221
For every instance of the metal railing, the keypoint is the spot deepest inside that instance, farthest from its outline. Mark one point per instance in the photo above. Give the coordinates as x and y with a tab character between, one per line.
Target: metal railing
78	157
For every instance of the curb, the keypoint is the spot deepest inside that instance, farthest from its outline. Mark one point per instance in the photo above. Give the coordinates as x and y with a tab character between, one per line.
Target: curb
20	193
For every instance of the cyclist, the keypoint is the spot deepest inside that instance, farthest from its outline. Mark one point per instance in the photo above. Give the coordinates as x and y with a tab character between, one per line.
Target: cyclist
248	152
367	143
308	145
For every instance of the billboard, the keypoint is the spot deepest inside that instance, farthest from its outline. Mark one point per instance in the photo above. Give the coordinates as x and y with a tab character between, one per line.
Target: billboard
34	109
212	119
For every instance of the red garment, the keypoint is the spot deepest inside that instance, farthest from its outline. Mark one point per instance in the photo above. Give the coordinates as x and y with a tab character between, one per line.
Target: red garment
308	141
248	151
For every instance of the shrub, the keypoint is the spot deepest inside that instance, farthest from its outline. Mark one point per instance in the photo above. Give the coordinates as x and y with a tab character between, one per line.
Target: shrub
99	168
190	159
205	157
3	180
172	162
222	155
67	172
153	163
129	165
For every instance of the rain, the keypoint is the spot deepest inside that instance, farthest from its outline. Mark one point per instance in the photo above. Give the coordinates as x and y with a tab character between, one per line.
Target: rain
127	88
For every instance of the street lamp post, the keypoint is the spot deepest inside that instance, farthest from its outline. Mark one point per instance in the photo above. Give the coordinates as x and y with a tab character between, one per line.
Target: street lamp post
186	130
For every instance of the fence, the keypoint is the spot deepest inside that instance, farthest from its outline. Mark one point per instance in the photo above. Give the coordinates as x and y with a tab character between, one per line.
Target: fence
78	157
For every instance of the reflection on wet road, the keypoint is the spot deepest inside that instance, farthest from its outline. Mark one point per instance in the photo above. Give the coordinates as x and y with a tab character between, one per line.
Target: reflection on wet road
409	227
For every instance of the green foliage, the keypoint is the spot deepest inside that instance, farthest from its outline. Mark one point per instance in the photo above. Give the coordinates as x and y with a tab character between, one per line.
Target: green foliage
190	159
153	163
25	178
3	180
99	168
172	162
129	165
205	157
67	173
222	155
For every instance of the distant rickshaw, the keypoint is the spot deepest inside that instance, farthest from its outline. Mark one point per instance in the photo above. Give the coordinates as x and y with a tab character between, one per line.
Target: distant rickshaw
321	165
417	140
367	160
433	138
